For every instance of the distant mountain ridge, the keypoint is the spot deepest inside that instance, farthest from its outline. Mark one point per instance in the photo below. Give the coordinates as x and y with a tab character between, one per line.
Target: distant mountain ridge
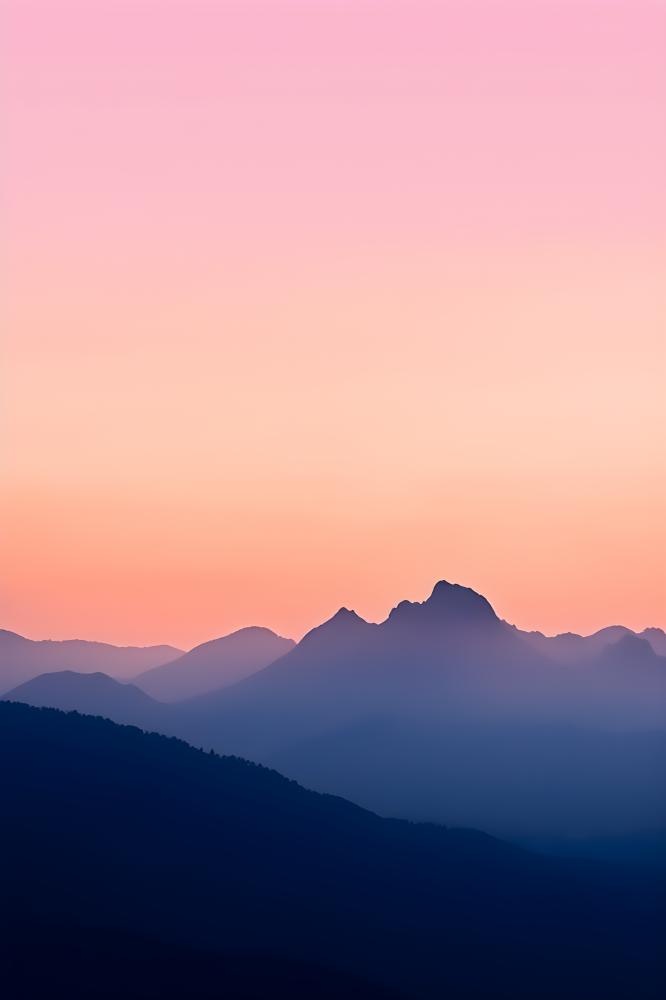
214	664
569	646
90	694
211	664
21	658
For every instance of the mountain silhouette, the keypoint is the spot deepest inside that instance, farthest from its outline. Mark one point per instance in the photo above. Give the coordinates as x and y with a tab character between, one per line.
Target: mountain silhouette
444	712
634	662
568	647
448	654
92	694
449	606
632	647
108	827
21	658
657	639
214	665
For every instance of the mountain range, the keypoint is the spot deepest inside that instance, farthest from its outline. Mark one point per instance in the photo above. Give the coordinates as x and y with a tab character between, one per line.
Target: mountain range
21	658
442	712
164	672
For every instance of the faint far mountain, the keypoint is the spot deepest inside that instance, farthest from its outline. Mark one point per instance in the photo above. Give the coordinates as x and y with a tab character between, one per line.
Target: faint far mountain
215	664
569	647
90	694
657	639
21	658
635	657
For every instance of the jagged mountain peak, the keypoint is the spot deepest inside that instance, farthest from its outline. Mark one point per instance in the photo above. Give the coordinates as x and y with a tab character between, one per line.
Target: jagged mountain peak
449	604
342	625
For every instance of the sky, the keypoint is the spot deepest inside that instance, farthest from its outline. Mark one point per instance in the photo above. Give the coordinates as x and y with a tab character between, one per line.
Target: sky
310	304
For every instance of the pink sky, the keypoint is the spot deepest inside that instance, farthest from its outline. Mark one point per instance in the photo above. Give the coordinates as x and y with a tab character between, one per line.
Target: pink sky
315	303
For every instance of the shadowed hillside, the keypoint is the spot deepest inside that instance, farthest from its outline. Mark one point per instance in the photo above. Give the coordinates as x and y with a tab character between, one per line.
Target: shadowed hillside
83	963
109	827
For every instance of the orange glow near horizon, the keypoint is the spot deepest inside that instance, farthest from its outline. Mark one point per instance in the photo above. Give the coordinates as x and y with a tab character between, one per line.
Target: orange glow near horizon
314	305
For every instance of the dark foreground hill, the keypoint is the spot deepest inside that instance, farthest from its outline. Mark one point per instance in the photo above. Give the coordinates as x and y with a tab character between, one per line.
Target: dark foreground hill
107	827
82	963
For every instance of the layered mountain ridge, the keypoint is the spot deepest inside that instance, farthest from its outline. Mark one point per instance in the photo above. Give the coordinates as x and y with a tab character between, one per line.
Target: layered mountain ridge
443	712
21	658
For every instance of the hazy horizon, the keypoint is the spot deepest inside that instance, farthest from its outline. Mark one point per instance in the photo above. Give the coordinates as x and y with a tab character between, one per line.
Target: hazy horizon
378	620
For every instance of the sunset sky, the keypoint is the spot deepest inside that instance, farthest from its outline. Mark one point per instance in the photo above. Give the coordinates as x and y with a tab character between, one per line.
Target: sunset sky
315	303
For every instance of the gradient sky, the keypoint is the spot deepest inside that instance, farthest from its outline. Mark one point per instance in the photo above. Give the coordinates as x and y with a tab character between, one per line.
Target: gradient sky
314	303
